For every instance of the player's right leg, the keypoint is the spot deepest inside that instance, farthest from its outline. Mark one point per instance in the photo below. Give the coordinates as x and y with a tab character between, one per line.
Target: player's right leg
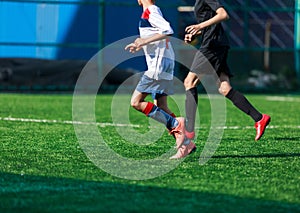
138	100
242	103
175	125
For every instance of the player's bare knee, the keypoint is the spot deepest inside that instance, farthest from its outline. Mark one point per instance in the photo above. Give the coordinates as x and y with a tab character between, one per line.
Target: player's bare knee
221	91
134	103
187	83
224	89
190	83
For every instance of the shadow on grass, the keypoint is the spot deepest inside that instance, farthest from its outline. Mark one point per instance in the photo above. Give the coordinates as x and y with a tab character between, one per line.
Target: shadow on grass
47	194
271	155
287	138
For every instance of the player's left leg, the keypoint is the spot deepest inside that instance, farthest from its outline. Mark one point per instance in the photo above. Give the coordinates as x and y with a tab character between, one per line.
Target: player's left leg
241	102
161	101
191	102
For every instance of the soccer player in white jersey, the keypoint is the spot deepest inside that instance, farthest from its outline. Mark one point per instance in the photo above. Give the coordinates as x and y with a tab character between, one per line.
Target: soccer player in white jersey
158	79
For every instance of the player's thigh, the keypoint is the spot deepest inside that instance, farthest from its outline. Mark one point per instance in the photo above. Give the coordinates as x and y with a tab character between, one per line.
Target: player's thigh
137	97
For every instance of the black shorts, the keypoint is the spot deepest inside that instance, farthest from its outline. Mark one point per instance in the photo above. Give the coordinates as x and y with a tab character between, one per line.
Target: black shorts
211	61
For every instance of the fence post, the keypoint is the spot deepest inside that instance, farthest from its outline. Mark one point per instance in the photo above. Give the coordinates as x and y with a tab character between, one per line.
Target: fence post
297	38
246	22
101	25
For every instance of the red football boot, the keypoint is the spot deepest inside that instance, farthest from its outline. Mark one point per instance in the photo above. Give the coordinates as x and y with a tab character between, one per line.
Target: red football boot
261	126
184	150
179	132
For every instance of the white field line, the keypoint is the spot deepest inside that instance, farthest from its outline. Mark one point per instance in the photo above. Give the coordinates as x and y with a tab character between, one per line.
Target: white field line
31	120
282	99
252	127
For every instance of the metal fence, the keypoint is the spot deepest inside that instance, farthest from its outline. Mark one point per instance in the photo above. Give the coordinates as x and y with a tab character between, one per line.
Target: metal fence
262	33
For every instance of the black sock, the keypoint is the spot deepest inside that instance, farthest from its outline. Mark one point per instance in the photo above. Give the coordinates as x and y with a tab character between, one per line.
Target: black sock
240	101
191	103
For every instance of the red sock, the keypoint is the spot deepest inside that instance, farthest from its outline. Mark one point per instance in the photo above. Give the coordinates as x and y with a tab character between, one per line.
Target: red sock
190	135
148	108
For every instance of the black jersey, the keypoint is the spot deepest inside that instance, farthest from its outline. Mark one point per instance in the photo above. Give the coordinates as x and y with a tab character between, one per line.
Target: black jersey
212	36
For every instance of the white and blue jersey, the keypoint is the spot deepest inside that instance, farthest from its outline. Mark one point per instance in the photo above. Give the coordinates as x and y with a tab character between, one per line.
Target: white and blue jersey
159	54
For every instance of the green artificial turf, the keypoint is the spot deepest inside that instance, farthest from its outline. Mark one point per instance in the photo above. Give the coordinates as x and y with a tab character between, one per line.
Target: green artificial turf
43	167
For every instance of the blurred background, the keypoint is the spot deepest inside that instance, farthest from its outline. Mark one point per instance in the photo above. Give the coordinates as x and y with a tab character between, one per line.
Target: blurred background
44	44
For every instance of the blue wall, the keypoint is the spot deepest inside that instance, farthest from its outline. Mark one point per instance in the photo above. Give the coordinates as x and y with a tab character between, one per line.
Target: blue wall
31	23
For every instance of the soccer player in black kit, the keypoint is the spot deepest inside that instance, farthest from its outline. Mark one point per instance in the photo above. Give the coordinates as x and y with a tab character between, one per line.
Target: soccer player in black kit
213	51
